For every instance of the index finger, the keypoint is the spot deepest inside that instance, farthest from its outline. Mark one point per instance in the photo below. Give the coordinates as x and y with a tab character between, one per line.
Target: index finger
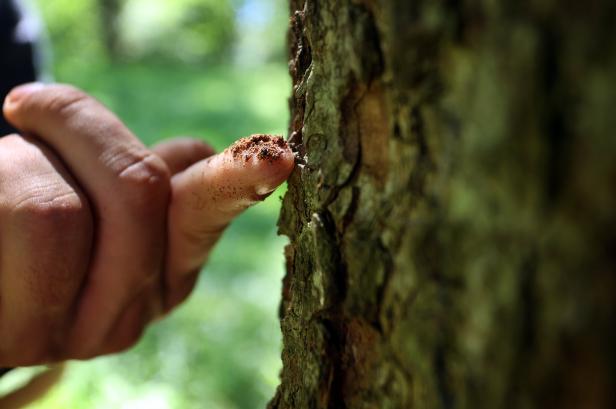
209	194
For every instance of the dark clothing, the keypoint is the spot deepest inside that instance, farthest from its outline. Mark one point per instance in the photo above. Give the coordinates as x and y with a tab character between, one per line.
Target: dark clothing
17	64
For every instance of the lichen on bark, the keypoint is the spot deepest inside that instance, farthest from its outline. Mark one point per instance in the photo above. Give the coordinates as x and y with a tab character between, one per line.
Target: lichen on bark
451	220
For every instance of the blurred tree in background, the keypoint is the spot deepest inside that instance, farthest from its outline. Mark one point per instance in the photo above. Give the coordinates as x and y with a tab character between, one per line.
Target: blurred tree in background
109	11
186	30
165	31
210	68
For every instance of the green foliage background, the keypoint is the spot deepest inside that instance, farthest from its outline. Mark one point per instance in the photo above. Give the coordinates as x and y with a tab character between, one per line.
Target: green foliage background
214	69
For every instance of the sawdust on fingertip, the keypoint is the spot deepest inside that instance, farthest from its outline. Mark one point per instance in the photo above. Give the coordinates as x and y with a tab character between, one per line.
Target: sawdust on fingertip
261	146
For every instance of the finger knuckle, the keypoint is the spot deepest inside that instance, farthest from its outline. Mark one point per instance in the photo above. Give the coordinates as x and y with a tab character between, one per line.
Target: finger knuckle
11	147
9	139
65	100
8	157
42	214
146	179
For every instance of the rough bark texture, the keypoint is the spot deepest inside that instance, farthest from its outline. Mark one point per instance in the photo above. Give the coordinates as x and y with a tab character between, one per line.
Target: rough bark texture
453	217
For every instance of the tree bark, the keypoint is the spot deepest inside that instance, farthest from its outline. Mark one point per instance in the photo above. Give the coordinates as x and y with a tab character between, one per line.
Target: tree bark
452	217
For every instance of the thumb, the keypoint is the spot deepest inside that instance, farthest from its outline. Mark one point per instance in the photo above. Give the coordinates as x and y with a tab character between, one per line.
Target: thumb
209	194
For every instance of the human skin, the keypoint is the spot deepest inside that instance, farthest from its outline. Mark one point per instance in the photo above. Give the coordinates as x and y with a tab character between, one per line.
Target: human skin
100	235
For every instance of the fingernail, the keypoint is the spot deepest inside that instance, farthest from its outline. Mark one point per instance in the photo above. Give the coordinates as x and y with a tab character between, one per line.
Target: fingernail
22	91
265	190
262	197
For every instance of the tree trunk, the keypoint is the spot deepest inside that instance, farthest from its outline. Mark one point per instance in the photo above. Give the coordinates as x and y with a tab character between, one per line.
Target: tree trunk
453	215
109	11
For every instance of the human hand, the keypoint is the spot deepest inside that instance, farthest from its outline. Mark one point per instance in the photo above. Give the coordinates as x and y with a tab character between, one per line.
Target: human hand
100	235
